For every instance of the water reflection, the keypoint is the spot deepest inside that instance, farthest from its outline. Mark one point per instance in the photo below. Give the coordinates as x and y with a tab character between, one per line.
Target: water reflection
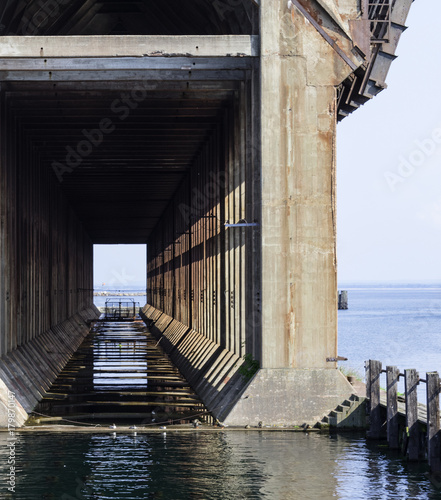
206	465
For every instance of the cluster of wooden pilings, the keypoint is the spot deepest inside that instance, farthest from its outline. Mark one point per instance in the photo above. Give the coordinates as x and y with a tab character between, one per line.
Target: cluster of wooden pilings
412	427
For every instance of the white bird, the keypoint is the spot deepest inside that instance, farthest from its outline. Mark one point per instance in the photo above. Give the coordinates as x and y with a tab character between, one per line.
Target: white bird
133	427
113	426
163	427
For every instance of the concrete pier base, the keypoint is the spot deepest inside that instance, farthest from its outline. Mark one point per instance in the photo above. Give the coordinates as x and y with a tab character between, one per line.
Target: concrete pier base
27	373
11	411
289	397
274	396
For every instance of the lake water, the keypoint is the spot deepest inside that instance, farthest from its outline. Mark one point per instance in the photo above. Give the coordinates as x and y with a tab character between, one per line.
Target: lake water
115	294
397	325
202	465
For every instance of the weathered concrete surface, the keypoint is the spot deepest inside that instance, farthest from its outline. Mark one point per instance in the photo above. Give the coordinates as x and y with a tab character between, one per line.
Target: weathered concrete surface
274	396
125	46
12	413
29	370
300	72
278	396
210	369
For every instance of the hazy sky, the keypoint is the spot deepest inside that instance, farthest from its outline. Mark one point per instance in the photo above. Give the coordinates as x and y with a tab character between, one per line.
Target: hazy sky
389	166
119	266
388	174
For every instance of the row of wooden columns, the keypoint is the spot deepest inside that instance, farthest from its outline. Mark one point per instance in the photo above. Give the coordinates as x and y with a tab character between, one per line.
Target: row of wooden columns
412	439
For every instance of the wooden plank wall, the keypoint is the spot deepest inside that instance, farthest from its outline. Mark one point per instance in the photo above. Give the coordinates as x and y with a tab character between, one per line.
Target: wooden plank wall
46	257
199	272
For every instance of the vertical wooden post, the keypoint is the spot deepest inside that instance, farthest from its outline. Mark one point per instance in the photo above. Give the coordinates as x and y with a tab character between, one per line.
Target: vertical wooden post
411	382
392	374
374	397
433	424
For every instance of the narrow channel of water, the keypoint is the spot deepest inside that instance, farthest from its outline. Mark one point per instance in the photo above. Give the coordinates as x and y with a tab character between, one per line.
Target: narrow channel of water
120	373
222	465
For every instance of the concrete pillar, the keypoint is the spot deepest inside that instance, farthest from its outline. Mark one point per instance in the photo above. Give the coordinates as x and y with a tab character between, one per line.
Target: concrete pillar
299	74
301	67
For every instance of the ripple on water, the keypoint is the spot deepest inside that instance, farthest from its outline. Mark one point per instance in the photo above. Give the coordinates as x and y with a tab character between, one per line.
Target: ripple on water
204	465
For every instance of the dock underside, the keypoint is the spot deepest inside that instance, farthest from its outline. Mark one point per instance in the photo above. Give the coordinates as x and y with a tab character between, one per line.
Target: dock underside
205	130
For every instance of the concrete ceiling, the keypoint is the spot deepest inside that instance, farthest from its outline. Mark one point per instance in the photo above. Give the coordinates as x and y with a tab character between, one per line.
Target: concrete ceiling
159	121
119	154
138	17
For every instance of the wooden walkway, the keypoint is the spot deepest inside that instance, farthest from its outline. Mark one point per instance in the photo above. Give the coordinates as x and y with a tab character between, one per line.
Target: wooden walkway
422	409
410	425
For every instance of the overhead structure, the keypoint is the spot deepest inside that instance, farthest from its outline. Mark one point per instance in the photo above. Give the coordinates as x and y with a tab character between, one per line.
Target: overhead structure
205	129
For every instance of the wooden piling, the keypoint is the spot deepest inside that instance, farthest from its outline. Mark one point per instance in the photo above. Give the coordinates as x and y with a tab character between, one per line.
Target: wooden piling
412	431
392	374
374	397
433	423
343	299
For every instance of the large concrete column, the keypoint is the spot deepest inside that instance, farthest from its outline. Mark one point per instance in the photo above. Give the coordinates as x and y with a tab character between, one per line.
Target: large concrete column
300	72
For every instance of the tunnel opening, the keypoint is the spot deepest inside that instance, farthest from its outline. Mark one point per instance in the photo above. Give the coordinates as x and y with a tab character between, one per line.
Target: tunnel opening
119	273
119	277
157	150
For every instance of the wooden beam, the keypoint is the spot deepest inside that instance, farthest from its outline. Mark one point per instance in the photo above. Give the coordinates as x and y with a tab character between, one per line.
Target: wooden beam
433	422
374	397
412	430
121	75
126	46
161	89
392	407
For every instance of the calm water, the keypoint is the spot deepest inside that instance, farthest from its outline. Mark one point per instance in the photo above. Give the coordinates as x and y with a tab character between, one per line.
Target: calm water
219	466
398	325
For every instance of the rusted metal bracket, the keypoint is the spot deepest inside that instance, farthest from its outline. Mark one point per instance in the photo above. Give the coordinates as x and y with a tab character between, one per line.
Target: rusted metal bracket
338	358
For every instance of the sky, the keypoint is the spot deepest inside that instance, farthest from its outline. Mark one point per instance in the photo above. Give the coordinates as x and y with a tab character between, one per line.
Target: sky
388	175
389	166
119	266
